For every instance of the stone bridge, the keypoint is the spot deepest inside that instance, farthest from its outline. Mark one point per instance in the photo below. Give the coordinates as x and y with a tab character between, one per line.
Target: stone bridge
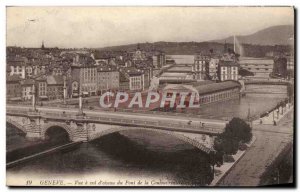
88	127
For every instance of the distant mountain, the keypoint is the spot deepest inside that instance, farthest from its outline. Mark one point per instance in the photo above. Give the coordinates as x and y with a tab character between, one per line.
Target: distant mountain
191	48
276	35
255	45
172	48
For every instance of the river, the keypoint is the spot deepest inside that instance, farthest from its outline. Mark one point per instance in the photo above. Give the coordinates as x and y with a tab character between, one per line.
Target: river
182	59
127	155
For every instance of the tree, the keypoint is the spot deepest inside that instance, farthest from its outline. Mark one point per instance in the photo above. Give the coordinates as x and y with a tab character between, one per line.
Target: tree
239	130
236	131
225	145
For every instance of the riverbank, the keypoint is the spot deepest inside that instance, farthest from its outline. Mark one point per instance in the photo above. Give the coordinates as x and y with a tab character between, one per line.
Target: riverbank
223	170
41	154
275	116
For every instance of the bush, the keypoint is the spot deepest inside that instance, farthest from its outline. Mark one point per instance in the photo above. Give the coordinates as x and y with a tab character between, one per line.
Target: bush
226	145
230	146
228	158
238	129
242	147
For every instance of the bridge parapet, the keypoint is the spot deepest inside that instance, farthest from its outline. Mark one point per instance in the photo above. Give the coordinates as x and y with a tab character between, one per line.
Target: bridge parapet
172	125
91	126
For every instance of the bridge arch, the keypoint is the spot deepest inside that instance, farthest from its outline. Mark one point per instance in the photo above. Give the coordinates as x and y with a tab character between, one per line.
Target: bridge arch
16	125
177	135
62	126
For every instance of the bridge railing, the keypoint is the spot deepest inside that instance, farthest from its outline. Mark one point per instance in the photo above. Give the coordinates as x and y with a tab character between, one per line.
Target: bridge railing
138	122
179	125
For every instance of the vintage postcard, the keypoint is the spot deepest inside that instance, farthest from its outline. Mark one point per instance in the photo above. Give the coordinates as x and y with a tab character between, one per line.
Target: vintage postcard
150	96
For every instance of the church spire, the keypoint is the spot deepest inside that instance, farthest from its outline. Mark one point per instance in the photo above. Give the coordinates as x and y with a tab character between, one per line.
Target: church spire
43	46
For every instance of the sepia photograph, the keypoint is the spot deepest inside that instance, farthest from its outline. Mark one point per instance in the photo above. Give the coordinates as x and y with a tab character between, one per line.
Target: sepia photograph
150	96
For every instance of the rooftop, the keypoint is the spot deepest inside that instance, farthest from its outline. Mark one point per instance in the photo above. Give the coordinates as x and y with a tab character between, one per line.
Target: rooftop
28	82
213	87
13	78
55	80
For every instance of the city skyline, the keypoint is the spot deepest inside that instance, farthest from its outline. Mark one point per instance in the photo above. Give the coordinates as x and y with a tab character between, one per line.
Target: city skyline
96	27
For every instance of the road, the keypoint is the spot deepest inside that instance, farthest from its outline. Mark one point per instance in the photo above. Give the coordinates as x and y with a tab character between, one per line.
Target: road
270	140
128	115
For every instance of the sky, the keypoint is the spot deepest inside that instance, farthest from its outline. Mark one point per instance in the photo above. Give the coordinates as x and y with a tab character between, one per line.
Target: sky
95	27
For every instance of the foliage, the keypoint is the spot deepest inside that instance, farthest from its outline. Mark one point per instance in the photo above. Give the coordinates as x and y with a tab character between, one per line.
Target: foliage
228	158
236	132
237	129
242	147
226	145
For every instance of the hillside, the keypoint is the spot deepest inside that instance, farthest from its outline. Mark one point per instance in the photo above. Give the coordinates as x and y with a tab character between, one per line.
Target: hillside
276	35
190	48
255	45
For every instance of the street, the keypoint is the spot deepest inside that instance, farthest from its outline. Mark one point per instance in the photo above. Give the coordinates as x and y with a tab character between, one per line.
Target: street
270	140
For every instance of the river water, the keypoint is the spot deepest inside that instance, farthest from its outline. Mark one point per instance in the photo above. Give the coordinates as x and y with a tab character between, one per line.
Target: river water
139	155
182	59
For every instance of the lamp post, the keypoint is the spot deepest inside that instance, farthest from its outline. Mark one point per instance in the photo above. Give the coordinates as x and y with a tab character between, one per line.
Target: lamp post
33	97
249	111
80	112
80	102
65	89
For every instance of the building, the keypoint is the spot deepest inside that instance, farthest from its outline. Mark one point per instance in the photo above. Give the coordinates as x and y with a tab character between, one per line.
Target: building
178	72
13	88
228	70
55	87
108	78
136	79
158	59
27	86
258	66
132	79
101	58
215	92
201	66
280	67
290	61
138	55
124	81
147	68
17	66
57	70
41	88
29	71
83	79
213	68
179	90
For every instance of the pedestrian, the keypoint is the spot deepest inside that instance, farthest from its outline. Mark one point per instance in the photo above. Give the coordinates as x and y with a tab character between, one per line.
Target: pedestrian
260	120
